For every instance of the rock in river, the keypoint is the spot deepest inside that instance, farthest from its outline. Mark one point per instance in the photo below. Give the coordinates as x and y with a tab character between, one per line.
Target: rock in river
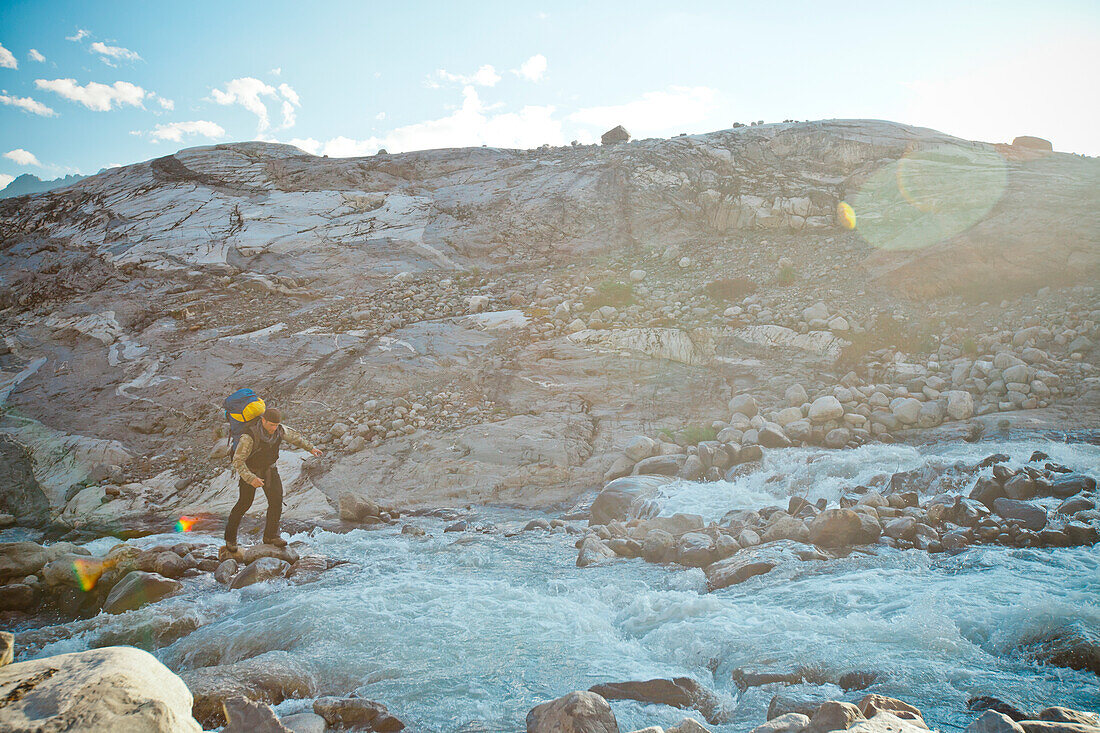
577	712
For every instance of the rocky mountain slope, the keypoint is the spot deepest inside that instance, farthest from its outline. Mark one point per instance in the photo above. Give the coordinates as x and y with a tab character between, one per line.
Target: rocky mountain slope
484	325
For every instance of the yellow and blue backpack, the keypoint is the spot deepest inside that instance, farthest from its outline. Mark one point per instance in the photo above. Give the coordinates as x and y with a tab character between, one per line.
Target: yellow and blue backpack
242	409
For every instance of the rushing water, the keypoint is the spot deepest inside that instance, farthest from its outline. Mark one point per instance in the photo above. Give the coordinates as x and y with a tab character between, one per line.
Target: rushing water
455	628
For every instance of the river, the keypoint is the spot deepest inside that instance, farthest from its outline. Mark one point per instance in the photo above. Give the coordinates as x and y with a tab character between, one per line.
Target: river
470	630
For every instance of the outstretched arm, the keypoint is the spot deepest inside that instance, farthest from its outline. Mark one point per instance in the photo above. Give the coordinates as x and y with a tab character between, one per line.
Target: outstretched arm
295	438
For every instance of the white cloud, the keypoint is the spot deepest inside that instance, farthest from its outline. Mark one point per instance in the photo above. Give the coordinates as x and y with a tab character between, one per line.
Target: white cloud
176	130
100	97
109	54
277	71
485	76
5	179
167	104
22	157
34	55
1022	91
80	35
473	124
290	101
380	116
655	113
7	59
247	92
533	68
31	105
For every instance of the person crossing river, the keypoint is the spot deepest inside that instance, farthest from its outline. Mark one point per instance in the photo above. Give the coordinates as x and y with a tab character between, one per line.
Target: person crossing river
255	460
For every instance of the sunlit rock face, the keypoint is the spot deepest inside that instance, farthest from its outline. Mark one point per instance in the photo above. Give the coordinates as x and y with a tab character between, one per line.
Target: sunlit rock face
943	211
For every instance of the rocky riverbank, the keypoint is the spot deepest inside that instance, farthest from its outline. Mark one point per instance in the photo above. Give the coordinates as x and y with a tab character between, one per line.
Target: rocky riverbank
589	712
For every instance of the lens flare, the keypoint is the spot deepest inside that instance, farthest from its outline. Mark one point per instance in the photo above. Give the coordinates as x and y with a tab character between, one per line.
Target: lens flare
930	194
87	572
184	524
846	215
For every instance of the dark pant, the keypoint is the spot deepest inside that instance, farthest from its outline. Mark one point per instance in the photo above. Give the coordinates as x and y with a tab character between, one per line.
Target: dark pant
273	490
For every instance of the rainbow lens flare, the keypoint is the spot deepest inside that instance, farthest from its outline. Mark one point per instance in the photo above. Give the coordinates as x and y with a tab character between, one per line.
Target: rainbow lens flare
846	215
184	524
87	572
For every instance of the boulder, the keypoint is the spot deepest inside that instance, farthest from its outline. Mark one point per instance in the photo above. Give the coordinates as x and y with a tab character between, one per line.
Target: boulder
1031	516
658	545
355	712
694	550
887	722
680	692
826	408
639	447
110	689
993	722
660	465
960	404
265	568
786	723
305	723
246	716
630	497
7	648
745	405
1020	487
787	527
755	561
355	508
987	490
577	712
837	438
906	410
871	705
1068	484
796	396
772	436
138	588
1032	143
20	559
593	551
1068	715
837	528
834	715
270	678
1051	726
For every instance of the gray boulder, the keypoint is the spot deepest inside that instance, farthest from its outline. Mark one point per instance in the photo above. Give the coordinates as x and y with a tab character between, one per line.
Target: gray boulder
1031	516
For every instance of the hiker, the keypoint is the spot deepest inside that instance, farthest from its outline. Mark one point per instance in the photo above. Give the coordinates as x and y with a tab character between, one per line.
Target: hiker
254	461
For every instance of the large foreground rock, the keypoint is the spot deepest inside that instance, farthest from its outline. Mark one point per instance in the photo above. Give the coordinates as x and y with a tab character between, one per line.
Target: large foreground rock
111	689
577	712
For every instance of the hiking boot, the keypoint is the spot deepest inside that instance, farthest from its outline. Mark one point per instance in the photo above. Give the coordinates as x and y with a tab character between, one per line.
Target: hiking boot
230	550
275	541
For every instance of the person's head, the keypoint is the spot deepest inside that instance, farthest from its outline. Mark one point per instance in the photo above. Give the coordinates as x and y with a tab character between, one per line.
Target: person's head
271	419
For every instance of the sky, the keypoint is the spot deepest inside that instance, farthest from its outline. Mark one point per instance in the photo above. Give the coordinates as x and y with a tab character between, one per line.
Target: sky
88	85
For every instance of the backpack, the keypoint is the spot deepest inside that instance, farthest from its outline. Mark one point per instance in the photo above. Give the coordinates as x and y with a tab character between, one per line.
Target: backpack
242	409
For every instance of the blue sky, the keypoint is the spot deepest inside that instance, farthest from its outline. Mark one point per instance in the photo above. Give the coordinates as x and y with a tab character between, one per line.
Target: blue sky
84	85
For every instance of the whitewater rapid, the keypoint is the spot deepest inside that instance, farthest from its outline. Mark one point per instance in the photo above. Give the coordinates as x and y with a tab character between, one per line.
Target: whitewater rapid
470	630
